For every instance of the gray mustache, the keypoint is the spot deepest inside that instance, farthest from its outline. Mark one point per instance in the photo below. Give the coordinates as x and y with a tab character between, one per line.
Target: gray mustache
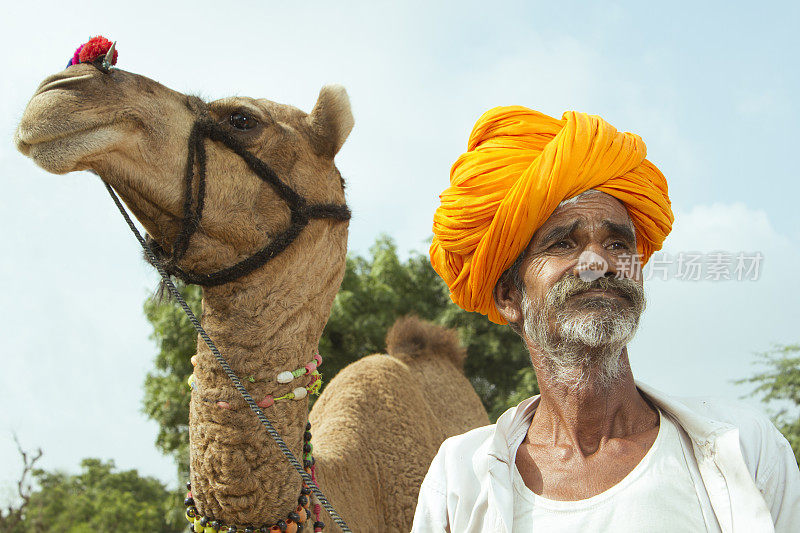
570	286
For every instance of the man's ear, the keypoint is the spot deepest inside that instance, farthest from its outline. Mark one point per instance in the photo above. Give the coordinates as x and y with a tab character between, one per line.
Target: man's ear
331	120
508	301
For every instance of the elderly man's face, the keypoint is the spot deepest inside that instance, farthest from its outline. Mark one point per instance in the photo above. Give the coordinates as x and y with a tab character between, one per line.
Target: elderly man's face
583	289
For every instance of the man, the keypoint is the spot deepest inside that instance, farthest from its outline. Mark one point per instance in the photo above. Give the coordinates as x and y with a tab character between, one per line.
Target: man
545	227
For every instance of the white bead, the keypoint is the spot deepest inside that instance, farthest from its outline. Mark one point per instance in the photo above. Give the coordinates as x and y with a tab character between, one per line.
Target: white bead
285	377
300	393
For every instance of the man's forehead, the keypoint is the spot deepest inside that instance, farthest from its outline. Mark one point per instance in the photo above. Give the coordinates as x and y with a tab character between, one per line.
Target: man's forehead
593	206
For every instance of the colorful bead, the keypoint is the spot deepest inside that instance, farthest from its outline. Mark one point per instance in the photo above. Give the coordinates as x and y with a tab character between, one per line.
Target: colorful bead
223	405
287	376
268	401
291	526
299	393
193	360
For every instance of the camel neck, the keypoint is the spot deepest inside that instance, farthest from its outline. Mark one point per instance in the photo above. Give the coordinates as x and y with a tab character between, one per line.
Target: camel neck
267	322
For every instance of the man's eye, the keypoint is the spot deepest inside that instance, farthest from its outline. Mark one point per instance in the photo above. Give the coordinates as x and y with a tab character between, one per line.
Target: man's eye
242	122
619	245
560	244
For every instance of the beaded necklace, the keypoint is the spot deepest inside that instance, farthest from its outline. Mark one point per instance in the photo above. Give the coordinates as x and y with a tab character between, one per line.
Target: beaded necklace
284	377
302	514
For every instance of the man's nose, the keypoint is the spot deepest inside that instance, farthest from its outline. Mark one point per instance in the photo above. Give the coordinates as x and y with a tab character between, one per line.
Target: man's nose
594	263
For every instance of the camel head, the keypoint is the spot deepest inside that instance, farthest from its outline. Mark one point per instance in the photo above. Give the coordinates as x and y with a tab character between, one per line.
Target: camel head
135	134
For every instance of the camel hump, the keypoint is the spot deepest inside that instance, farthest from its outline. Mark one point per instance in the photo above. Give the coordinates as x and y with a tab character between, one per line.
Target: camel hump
414	337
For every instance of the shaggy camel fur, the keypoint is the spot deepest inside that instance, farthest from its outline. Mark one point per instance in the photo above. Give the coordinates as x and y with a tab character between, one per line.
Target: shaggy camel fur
380	421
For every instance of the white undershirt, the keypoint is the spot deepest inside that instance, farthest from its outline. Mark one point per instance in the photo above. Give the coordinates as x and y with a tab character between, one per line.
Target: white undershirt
663	493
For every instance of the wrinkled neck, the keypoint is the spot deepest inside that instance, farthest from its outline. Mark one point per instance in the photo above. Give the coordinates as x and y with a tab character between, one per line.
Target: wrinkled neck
583	418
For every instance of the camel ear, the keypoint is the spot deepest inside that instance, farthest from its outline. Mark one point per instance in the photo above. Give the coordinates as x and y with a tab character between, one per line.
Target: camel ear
331	120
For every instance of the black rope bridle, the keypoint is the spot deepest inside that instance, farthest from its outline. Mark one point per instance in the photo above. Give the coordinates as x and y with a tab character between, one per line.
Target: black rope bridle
301	214
301	211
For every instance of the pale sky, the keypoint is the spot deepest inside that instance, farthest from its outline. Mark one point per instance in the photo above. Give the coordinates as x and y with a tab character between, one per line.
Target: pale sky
710	86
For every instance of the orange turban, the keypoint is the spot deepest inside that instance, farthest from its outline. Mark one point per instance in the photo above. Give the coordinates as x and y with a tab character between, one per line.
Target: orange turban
519	166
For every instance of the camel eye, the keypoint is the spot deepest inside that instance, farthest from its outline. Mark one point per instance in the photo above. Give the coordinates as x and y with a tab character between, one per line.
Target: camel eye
242	122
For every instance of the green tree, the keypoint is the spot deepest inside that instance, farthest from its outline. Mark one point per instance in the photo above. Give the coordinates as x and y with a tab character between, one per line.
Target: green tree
166	393
375	292
780	382
96	499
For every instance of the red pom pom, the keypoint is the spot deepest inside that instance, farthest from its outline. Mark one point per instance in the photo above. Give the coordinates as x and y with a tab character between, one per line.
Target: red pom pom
96	47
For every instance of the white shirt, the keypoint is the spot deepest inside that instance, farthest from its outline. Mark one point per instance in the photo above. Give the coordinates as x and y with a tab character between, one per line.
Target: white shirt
658	495
747	468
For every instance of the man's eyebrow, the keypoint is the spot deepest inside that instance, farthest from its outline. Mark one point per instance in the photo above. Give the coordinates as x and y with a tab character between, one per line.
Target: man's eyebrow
559	232
623	231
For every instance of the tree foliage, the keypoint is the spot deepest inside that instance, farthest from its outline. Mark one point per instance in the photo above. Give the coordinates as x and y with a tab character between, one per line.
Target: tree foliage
375	292
96	499
166	393
780	383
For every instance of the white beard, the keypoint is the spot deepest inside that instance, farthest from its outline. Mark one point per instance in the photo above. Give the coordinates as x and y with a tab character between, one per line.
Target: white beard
586	347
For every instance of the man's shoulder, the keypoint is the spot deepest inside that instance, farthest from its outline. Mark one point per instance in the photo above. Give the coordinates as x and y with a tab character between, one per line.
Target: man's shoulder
465	445
714	410
708	417
750	421
459	465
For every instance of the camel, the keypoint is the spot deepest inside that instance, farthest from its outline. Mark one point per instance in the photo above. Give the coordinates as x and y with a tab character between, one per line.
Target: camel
380	421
